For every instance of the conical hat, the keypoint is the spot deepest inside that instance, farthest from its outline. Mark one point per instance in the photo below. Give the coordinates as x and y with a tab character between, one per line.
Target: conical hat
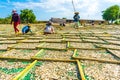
76	12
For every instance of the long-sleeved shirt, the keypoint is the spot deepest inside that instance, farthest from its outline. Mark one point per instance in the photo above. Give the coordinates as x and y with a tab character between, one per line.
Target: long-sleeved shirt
76	18
15	18
49	29
26	29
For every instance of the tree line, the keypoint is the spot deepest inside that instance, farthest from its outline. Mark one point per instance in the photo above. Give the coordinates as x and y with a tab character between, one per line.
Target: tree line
111	14
26	16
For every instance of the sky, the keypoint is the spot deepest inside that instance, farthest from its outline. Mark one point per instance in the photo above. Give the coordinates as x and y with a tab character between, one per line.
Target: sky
45	9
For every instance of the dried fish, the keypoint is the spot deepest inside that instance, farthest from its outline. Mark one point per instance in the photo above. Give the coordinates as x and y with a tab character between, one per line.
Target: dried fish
97	54
26	54
82	45
54	54
100	71
56	70
10	69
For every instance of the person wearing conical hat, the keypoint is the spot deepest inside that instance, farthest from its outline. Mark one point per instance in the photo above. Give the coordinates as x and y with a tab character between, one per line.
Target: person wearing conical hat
76	18
15	20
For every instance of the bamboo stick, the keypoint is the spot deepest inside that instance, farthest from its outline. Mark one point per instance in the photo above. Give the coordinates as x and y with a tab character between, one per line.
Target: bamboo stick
14	58
68	44
74	52
39	52
41	44
86	48
81	70
50	48
99	60
113	53
108	48
25	71
23	48
49	59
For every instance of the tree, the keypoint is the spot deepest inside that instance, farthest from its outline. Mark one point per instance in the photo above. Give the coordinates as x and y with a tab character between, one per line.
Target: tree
117	21
27	16
64	18
111	13
6	20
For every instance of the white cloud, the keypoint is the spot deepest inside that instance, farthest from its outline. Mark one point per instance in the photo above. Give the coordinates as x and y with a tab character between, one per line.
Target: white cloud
87	8
48	5
55	5
30	5
112	1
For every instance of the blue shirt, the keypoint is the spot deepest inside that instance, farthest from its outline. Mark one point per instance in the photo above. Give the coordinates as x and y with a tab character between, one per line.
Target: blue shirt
76	18
26	29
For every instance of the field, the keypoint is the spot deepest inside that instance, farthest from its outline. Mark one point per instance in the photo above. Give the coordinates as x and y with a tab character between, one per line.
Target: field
85	53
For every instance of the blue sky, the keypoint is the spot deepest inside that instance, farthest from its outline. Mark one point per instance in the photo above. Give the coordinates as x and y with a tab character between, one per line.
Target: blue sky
45	9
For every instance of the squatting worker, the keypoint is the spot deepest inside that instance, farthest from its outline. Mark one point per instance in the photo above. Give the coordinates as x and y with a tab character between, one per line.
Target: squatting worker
26	29
49	28
15	21
76	18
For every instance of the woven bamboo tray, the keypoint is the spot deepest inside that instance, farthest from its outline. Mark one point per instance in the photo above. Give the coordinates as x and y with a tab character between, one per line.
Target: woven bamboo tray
1	38
90	38
72	40
117	42
26	46
25	54
95	54
57	70
9	69
7	42
94	41
100	71
51	40
16	38
108	38
81	45
54	54
108	46
5	46
55	46
28	41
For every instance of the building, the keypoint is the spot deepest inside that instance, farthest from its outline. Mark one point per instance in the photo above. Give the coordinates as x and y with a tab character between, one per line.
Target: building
58	20
86	21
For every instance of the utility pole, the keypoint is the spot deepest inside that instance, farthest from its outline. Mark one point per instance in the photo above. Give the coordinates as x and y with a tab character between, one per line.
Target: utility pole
73	6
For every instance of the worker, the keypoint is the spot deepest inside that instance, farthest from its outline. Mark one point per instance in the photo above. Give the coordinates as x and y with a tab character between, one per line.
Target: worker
76	19
62	24
15	20
92	22
26	29
49	29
